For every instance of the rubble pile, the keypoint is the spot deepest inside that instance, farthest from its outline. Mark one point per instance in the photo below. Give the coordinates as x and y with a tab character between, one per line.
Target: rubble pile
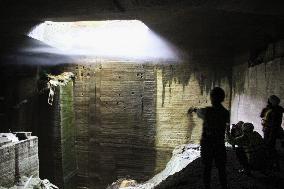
122	183
182	156
6	138
32	183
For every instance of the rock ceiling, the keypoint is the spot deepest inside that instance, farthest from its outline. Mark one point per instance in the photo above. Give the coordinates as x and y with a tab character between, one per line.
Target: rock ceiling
226	24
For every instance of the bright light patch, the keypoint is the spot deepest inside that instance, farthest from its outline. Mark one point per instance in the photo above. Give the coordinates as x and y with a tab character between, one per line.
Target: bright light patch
105	39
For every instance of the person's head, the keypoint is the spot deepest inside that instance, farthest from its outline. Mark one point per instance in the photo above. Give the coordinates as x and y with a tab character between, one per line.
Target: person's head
247	127
273	100
239	124
217	95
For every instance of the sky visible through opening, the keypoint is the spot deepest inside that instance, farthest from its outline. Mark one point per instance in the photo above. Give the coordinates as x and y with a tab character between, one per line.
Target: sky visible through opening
123	39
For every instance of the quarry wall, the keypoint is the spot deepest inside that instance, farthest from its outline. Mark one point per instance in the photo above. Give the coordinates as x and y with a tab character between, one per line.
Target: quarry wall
115	122
130	116
253	84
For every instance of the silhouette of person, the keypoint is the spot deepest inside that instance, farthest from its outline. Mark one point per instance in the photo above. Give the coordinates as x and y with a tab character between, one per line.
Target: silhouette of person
216	120
237	131
271	121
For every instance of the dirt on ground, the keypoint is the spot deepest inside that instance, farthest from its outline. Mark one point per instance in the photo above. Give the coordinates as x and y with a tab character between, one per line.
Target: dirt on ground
191	176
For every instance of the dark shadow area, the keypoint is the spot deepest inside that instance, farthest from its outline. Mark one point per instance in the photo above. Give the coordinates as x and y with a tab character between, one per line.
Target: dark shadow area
191	126
191	177
24	101
209	71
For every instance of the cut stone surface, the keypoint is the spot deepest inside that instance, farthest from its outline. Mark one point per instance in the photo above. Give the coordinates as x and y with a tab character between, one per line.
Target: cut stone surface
18	159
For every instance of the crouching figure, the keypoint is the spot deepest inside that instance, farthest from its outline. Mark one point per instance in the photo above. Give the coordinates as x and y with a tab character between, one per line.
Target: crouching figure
252	146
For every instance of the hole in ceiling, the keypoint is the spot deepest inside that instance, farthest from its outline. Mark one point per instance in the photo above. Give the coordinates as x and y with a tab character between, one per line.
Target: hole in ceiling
112	39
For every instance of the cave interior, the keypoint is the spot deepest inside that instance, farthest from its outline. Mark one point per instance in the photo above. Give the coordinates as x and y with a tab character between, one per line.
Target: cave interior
121	115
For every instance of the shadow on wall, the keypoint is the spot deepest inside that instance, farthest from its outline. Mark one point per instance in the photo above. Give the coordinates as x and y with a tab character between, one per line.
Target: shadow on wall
209	74
184	85
191	128
18	98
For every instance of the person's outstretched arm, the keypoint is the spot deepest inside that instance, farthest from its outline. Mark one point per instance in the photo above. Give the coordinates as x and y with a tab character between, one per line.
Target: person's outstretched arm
199	111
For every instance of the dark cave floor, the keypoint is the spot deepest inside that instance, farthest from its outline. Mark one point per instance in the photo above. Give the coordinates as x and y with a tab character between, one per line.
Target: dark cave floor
191	176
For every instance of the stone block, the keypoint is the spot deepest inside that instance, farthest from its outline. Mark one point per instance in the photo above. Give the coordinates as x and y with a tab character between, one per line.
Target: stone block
7	165
19	159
